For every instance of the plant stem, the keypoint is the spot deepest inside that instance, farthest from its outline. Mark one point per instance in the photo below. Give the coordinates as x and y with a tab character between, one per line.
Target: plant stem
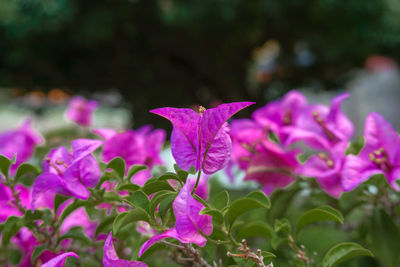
197	182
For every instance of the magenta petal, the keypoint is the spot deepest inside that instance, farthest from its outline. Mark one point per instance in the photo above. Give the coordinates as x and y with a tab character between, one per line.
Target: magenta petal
393	177
48	182
83	147
379	133
169	233
185	135
337	122
315	140
89	171
183	152
212	121
59	260
357	170
219	152
57	155
188	218
106	134
111	259
73	182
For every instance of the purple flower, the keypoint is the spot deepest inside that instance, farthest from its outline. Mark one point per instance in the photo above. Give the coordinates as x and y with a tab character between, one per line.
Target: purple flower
201	139
272	167
20	142
142	146
281	113
188	222
59	260
81	110
380	155
111	259
327	169
69	174
321	127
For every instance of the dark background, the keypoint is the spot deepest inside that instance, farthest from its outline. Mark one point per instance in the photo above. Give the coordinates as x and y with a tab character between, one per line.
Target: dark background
177	53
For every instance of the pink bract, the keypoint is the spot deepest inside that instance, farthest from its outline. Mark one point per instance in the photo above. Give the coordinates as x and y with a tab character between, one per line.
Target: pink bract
201	139
81	110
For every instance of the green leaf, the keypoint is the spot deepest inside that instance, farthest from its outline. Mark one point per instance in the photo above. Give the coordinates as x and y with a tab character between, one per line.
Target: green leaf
24	169
129	217
10	228
181	173
30	216
283	225
323	213
58	200
221	200
169	176
5	164
343	252
118	165
135	169
215	214
261	197
140	200
240	206
165	204
267	255
70	208
385	238
155	186
76	234
157	198
257	228
104	224
128	187
276	241
37	251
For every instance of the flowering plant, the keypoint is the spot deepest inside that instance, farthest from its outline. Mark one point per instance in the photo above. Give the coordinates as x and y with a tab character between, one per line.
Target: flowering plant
110	201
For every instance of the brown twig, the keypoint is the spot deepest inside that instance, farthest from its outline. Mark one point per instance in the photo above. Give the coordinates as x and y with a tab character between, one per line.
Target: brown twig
190	252
247	254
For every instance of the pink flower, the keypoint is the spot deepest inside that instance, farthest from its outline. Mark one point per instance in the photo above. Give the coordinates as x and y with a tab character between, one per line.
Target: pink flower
380	155
142	146
111	259
281	113
327	169
321	127
201	139
272	167
81	110
69	174
20	142
188	222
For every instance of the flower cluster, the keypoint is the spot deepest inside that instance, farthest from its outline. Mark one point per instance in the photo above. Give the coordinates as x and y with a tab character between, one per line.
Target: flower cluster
58	214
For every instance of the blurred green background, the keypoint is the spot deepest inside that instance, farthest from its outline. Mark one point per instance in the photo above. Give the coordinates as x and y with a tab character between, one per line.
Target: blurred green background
177	53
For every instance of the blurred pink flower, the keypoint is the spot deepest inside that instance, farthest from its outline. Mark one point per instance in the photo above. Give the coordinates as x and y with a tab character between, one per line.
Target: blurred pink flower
20	142
380	155
69	174
81	110
59	260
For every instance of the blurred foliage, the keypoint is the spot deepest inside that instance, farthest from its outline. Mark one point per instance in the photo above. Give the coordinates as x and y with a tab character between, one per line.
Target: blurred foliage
156	51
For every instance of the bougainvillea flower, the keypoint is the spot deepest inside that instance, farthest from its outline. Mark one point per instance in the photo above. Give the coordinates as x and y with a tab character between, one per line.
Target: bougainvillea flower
188	222
20	142
59	260
7	201
272	167
142	146
201	139
281	113
247	137
327	169
69	174
321	127
111	259
81	110
380	155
